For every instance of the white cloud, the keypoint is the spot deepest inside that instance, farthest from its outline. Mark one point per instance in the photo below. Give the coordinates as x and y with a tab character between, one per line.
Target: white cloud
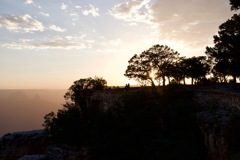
60	44
78	7
44	14
132	11
28	2
64	6
57	43
91	10
56	28
76	37
23	23
74	16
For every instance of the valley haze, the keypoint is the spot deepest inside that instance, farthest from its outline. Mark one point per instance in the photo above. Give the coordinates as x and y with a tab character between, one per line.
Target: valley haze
24	109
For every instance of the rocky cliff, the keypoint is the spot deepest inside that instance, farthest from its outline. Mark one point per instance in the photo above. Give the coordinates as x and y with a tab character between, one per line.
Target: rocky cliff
220	123
36	145
16	145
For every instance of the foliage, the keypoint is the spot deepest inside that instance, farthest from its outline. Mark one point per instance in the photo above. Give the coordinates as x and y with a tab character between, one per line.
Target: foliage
235	4
178	71
195	67
140	69
66	125
158	59
82	89
146	125
226	51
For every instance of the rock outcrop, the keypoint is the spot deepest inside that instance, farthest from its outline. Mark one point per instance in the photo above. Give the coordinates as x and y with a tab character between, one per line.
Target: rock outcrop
37	145
215	129
16	145
219	123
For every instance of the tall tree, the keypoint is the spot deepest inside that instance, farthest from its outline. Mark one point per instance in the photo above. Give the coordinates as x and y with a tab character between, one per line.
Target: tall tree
221	70
227	47
162	58
140	68
158	59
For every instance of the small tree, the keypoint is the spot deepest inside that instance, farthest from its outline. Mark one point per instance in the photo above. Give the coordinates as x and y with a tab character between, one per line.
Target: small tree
81	90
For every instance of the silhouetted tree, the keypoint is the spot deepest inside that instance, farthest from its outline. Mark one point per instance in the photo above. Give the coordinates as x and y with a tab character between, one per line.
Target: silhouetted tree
163	59
177	71
82	89
158	59
196	67
227	48
220	71
235	4
140	68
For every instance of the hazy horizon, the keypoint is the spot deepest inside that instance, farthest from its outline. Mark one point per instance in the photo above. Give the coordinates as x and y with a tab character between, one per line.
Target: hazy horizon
24	109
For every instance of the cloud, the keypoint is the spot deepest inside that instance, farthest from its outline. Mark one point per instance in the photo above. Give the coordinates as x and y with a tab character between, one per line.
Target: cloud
132	11
56	28
74	16
64	6
44	14
183	21
60	44
194	22
23	23
53	44
28	2
90	10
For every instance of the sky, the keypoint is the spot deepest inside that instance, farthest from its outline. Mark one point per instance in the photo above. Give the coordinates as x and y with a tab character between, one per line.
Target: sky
48	44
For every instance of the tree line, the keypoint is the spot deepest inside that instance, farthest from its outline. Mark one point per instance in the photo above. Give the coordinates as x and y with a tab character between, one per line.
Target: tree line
160	63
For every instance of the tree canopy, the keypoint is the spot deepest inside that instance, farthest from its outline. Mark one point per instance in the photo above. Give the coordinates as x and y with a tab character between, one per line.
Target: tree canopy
226	49
156	60
82	88
235	4
195	67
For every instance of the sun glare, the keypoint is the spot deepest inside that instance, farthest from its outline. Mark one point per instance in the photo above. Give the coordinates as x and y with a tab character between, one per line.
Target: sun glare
152	75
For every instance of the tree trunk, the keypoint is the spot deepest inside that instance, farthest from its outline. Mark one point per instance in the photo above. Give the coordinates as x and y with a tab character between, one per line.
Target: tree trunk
192	81
234	82
168	80
164	81
153	84
184	82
